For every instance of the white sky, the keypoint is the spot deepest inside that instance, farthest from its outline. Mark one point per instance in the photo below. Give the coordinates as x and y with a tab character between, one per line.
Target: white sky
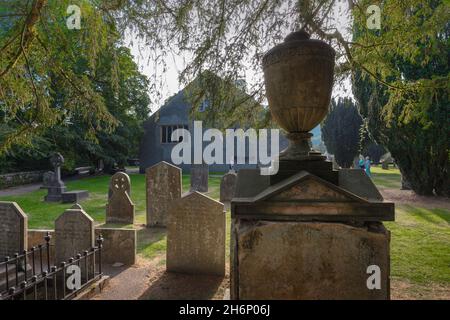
176	63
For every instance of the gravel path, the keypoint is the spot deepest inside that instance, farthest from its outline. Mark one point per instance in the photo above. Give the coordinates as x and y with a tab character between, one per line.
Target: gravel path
19	190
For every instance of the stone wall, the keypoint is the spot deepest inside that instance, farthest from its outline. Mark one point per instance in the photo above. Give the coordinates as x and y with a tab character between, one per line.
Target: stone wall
20	178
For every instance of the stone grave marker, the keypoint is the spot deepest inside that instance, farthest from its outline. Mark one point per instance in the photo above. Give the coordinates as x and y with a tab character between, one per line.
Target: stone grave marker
54	184
196	236
163	183
227	186
120	208
74	233
13	229
199	177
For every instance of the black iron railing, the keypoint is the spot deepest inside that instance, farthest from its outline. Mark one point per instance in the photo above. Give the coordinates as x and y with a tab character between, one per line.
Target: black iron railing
34	277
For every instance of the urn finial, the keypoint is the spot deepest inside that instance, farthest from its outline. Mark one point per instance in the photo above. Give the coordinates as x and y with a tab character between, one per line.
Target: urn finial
298	75
297	35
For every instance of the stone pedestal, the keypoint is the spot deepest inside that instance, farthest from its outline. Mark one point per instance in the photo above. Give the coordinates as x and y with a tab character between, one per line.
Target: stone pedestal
75	196
307	238
308	260
55	192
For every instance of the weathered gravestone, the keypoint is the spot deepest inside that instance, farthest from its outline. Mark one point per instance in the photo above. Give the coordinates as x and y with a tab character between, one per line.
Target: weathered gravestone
74	233
164	186
199	177
196	236
54	184
120	208
227	186
13	229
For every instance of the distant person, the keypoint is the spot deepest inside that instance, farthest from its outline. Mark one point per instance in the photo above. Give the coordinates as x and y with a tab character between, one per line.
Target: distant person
361	162
367	167
231	168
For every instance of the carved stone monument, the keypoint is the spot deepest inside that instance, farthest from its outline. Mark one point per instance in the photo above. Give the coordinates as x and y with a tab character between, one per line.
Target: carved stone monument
55	185
308	231
196	236
199	177
13	229
120	208
74	233
164	186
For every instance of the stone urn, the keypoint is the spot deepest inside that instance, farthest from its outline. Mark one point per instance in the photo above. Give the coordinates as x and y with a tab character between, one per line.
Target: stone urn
298	76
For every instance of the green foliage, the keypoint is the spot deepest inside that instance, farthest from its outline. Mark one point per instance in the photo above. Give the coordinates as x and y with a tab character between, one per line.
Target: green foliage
129	105
403	91
374	151
340	131
47	70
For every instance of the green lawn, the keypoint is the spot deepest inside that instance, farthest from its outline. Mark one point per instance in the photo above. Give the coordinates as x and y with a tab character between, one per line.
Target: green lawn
420	237
386	178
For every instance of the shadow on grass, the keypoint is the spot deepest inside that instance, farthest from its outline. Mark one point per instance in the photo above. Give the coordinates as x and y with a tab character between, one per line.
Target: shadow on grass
433	216
177	286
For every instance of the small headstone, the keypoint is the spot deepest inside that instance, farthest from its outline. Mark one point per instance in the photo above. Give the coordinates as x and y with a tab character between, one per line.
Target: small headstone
196	236
164	186
227	186
55	186
120	208
385	165
199	177
13	229
74	233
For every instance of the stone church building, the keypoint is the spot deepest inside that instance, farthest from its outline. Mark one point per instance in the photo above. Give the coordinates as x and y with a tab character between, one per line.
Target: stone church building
156	145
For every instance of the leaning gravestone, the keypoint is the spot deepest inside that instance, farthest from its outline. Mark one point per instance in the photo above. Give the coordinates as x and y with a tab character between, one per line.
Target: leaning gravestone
164	186
199	177
54	184
227	186
74	233
13	229
196	236
120	208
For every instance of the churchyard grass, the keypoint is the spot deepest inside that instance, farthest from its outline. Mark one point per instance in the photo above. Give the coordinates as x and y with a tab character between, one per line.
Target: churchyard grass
386	178
420	242
420	237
